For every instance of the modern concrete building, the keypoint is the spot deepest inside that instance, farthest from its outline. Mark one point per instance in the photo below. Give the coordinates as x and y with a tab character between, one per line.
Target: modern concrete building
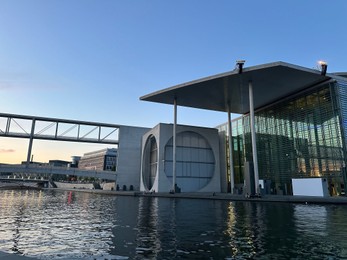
293	124
197	159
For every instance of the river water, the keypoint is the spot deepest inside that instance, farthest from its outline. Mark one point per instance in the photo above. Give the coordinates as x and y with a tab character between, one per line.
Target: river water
70	225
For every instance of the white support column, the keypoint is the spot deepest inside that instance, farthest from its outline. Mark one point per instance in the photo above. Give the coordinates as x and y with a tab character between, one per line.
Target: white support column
174	147
254	144
231	163
31	141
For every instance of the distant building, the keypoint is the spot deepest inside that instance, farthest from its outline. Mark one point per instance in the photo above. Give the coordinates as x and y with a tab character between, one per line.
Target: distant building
101	160
74	161
58	163
34	163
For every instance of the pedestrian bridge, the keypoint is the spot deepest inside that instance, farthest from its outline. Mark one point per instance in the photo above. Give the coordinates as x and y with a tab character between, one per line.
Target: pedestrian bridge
35	169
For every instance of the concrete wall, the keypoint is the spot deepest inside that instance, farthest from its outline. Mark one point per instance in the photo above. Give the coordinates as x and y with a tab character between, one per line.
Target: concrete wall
108	185
160	132
155	132
163	133
129	156
90	186
67	185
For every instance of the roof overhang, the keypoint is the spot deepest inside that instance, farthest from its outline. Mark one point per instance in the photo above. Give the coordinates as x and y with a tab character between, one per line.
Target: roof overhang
271	82
341	74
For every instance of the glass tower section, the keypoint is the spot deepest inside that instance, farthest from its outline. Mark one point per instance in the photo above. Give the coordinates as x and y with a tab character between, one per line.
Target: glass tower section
301	136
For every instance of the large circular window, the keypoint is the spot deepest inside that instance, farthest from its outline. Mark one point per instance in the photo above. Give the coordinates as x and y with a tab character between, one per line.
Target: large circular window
150	162
195	161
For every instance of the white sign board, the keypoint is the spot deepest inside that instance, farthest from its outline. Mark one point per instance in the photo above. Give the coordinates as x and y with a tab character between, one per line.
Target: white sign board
309	187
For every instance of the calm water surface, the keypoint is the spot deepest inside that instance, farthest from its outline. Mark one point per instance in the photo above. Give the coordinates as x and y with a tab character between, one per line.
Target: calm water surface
57	225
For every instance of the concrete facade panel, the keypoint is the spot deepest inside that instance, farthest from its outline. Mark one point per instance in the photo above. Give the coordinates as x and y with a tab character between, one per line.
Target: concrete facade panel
163	182
129	156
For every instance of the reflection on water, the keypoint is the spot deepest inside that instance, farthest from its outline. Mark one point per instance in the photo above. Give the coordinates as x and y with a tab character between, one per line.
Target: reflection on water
54	224
57	224
311	220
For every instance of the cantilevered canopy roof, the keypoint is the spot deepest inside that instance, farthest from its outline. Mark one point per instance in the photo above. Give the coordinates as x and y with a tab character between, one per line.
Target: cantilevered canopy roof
271	82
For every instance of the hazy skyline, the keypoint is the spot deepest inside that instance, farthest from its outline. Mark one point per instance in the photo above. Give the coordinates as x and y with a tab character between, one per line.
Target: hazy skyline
92	60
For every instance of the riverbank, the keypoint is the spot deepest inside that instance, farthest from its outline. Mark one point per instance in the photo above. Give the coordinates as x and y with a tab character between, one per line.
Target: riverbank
224	196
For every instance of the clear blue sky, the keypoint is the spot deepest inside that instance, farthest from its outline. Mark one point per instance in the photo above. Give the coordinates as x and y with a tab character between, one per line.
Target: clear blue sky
92	60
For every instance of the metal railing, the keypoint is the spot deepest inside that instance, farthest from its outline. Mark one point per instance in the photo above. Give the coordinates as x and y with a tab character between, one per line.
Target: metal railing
36	169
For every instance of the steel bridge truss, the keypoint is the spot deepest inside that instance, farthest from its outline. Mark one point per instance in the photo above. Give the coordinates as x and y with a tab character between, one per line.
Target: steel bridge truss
31	127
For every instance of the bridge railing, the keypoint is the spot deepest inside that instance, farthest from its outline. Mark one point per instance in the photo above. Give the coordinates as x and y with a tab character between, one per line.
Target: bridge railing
44	128
38	169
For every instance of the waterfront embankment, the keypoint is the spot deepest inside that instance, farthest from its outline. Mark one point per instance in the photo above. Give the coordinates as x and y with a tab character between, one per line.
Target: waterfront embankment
224	196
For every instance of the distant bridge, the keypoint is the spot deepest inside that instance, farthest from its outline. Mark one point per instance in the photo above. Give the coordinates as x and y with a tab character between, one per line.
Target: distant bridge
45	128
19	168
55	129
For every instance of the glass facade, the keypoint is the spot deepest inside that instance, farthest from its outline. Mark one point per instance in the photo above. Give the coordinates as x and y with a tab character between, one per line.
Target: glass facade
302	136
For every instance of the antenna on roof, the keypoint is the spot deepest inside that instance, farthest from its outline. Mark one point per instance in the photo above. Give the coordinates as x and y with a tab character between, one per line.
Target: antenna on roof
239	65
